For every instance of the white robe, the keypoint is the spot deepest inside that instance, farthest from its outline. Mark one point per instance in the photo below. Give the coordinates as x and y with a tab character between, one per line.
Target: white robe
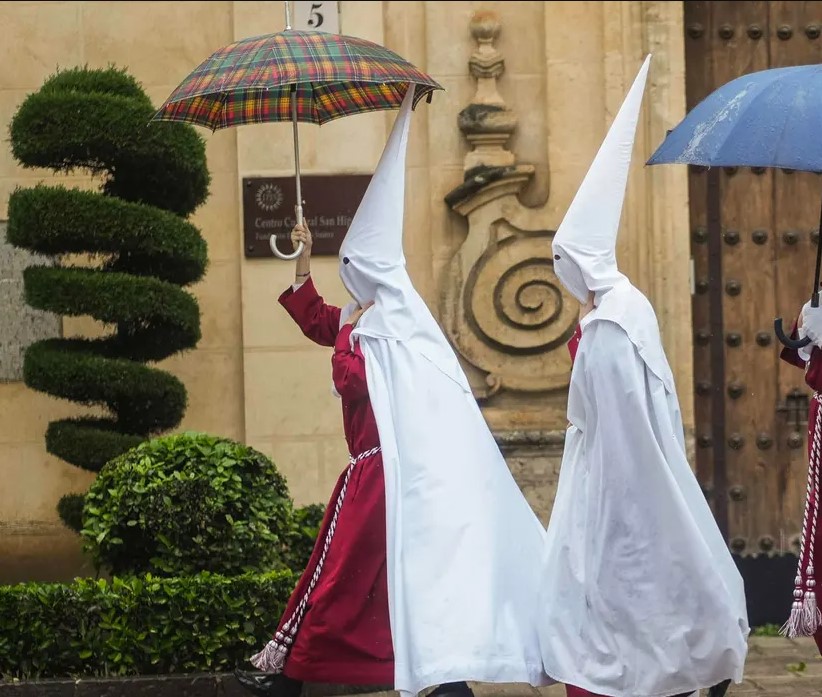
640	595
463	545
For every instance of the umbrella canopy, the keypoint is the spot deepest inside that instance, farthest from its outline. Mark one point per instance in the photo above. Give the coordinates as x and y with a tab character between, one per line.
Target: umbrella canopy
772	118
262	78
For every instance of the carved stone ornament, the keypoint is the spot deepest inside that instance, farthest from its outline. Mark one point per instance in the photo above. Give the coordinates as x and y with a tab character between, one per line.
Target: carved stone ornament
503	307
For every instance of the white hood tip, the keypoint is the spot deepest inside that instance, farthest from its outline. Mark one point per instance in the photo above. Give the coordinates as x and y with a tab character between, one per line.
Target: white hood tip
376	230
585	242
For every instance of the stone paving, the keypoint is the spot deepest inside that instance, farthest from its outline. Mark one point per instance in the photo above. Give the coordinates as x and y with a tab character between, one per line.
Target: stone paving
776	667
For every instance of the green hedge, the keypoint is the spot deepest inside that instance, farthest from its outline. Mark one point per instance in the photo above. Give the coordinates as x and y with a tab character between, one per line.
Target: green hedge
138	626
115	297
305	526
146	400
92	441
141	249
188	503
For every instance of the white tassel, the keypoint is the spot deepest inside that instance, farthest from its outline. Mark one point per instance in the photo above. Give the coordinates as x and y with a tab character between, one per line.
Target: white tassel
793	627
271	659
811	616
805	617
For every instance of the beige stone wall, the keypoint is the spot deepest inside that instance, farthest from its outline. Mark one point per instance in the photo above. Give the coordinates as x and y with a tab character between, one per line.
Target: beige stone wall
254	376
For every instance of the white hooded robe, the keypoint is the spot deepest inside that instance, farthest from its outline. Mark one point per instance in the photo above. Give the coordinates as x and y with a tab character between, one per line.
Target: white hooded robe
463	545
640	595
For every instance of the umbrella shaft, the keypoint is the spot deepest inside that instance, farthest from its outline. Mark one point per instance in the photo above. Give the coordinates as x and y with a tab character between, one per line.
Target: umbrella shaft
298	210
287	15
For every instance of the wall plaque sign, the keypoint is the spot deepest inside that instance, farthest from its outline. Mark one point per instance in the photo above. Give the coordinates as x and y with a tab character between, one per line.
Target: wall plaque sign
330	202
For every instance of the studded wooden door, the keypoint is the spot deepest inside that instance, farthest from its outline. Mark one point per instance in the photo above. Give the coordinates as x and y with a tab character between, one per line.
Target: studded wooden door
753	241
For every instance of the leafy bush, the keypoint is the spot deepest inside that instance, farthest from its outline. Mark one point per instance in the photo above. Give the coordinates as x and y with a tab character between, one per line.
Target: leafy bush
188	503
146	252
137	626
305	526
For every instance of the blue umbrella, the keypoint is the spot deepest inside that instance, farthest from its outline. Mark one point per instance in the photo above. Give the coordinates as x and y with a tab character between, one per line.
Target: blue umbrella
772	118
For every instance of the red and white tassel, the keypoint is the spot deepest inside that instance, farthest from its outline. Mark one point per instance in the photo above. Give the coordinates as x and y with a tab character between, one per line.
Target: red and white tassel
805	618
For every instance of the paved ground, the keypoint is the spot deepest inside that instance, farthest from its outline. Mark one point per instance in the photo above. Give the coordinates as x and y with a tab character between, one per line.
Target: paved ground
776	667
780	667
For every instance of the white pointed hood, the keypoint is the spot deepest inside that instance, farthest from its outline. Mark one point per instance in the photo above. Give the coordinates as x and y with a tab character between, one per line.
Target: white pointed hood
372	263
585	244
584	247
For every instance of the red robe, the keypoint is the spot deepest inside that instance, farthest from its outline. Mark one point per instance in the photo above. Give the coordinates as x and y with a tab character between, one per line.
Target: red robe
813	547
344	635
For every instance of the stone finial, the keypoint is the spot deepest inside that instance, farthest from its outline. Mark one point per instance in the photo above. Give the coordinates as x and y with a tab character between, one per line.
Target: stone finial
486	63
486	122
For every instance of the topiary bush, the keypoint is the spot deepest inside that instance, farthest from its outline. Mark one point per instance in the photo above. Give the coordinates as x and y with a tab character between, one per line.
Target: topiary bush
187	503
134	626
143	253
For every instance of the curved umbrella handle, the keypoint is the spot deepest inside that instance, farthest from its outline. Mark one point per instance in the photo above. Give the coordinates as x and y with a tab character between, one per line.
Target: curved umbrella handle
272	243
794	344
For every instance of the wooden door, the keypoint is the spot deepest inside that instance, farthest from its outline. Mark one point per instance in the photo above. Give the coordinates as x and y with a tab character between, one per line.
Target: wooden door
753	243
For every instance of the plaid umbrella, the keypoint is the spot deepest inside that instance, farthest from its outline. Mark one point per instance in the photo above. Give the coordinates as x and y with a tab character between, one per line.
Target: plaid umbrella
307	76
260	79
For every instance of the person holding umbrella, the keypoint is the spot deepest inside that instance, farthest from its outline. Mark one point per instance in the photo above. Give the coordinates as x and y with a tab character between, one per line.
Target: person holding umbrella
805	618
426	569
641	597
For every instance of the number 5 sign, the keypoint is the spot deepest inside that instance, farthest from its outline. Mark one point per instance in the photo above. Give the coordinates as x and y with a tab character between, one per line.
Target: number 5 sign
317	16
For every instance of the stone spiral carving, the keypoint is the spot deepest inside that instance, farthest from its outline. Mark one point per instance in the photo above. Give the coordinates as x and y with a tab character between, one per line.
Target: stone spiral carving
509	316
513	300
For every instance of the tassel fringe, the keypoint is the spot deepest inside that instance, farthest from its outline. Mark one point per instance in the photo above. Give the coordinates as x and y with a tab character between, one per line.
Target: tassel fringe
805	618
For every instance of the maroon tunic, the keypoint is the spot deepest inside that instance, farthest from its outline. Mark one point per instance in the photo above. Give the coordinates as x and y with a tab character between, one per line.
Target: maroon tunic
813	378
344	635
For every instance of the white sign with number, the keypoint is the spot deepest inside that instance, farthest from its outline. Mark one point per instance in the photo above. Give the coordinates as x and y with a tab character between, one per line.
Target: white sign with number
317	16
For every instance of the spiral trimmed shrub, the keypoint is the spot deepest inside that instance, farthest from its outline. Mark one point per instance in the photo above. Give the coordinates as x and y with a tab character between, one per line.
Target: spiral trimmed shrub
143	249
186	503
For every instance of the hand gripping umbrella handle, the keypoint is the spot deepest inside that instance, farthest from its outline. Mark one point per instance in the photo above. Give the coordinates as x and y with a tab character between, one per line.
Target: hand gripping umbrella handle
794	344
272	241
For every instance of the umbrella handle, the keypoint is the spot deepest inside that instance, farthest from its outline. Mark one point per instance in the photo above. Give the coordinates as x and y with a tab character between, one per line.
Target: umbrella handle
272	241
794	344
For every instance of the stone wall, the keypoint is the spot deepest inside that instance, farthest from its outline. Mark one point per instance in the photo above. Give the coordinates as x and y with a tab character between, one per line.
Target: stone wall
254	376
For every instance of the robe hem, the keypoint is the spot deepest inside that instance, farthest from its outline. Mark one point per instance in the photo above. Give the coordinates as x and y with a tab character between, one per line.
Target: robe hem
483	671
605	692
